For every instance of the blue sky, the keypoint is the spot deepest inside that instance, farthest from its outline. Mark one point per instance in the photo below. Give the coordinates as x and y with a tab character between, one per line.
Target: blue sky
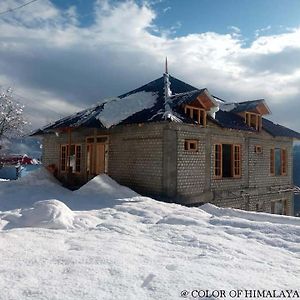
219	15
196	16
62	56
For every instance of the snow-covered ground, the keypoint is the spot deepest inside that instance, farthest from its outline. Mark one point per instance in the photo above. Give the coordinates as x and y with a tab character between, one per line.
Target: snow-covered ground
104	241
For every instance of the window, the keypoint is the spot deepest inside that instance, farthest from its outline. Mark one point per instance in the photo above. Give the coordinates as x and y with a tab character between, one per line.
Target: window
227	161
191	145
272	161
218	161
258	149
98	139
279	207
278	161
236	160
78	158
260	206
102	139
283	161
90	140
63	158
253	120
70	158
197	114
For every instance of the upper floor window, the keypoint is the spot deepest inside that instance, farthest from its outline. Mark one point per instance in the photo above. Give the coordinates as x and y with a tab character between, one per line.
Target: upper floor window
227	161
197	114
253	120
278	161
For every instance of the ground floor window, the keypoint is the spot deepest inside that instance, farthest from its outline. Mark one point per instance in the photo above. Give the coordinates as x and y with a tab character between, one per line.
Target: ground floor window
227	160
70	158
279	207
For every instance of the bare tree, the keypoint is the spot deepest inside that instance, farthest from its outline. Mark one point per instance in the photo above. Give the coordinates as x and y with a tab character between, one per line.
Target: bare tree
12	121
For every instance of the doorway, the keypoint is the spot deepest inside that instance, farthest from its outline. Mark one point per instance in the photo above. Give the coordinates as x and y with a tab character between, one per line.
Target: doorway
96	156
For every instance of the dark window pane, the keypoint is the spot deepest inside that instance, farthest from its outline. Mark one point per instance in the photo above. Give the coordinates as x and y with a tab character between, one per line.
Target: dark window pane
277	161
227	160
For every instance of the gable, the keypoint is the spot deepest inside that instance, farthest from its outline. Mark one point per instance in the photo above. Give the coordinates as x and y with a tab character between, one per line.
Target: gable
254	106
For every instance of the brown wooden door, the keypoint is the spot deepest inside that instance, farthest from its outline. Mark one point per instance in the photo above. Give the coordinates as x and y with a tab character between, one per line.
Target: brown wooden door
100	159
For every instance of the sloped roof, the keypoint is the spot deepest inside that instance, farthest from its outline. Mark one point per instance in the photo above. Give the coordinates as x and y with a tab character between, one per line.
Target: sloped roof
279	130
90	117
230	120
246	105
132	109
86	118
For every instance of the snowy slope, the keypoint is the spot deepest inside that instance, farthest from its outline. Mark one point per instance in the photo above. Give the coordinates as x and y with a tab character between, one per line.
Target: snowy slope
111	243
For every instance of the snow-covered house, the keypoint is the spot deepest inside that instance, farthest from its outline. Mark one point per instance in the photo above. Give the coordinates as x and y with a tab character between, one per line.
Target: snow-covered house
180	144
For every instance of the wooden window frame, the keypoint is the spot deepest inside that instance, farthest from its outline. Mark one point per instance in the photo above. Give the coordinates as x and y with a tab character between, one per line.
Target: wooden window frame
188	143
272	161
258	149
63	158
236	161
201	114
78	153
284	206
67	158
94	139
249	118
218	157
283	161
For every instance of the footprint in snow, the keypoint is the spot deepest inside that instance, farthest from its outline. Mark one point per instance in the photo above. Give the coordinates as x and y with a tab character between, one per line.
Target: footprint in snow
147	281
171	267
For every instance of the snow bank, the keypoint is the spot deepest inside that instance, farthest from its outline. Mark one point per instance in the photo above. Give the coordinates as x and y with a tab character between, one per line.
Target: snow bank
248	215
103	185
24	192
50	214
136	247
100	192
118	109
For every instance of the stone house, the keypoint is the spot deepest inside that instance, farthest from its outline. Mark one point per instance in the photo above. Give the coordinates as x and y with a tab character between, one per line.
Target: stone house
180	144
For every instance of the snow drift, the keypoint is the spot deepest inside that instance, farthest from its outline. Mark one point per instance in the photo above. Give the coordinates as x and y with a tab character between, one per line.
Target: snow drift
133	247
24	192
44	214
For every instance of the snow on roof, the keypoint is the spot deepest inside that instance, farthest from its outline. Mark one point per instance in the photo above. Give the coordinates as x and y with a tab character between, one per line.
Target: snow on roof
148	104
118	109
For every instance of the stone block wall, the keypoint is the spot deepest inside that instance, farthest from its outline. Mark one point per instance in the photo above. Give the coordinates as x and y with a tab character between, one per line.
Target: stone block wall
151	159
136	157
255	189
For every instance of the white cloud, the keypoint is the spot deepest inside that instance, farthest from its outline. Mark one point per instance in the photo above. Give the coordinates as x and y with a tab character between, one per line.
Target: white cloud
48	55
167	9
235	29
